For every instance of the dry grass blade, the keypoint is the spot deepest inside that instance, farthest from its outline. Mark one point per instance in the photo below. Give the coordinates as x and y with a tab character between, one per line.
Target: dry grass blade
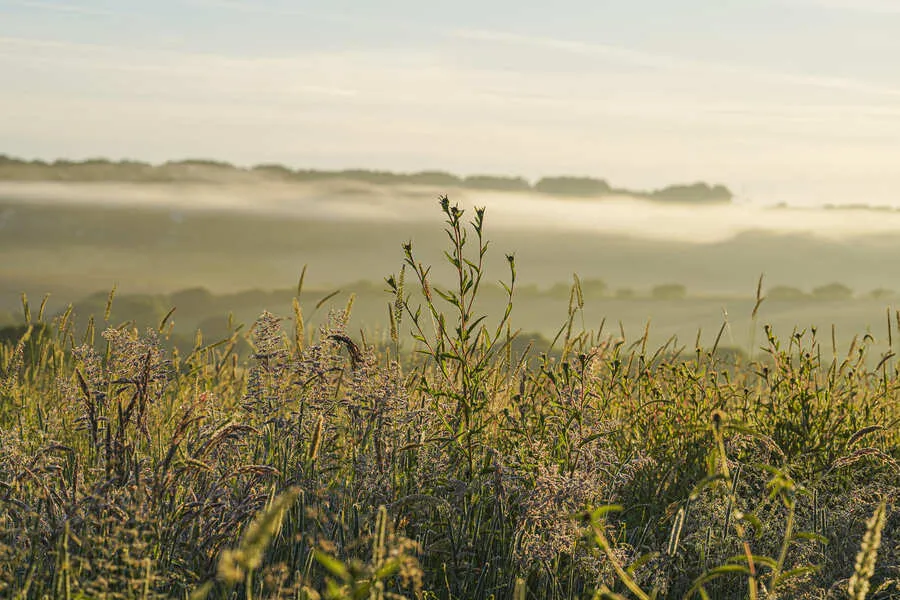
43	306
235	564
327	298
299	332
600	536
355	354
858	455
887	356
109	303
759	297
863	432
258	470
165	319
868	554
300	281
229	430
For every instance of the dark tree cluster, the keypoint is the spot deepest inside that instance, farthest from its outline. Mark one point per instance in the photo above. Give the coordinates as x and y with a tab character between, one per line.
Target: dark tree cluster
211	171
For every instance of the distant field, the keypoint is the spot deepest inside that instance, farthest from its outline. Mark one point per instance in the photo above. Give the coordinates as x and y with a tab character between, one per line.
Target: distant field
79	239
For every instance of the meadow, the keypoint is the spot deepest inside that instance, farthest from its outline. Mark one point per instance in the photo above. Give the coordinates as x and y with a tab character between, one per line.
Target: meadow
444	459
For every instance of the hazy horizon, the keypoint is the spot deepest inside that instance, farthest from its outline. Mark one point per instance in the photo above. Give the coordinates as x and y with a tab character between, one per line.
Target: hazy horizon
782	100
621	215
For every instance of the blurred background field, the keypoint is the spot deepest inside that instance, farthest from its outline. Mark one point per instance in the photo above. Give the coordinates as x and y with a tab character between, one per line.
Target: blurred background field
211	249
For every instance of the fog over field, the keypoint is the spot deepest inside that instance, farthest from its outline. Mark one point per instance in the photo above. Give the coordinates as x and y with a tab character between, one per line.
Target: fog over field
74	240
355	201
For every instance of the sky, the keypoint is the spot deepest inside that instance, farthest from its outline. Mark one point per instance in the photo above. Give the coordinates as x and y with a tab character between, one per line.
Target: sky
793	101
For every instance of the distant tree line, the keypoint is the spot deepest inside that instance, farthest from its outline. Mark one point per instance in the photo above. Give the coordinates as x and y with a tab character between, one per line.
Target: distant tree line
588	186
209	171
831	291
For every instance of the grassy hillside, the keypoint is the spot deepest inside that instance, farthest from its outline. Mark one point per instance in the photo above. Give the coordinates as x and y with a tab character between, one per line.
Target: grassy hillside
322	467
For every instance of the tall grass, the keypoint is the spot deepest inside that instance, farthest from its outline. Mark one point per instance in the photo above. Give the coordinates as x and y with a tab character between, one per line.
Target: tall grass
445	465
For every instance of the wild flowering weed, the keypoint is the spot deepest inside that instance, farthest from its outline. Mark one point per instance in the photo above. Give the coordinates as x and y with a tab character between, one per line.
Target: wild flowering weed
322	466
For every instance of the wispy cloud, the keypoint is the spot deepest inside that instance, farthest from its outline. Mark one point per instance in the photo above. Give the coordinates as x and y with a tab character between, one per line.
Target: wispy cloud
65	8
403	85
290	11
467	100
43	43
659	61
262	8
627	55
878	7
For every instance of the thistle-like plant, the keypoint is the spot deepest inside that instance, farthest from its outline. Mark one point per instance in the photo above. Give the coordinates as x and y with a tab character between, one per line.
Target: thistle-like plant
458	342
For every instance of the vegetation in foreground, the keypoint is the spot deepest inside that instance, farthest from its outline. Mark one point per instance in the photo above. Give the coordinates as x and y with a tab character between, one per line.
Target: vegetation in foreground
321	468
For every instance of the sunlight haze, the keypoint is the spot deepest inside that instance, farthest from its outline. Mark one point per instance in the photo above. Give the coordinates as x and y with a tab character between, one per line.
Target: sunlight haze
792	101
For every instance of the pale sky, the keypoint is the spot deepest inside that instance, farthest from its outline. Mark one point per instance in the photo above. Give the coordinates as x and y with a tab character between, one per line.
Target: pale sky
781	100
